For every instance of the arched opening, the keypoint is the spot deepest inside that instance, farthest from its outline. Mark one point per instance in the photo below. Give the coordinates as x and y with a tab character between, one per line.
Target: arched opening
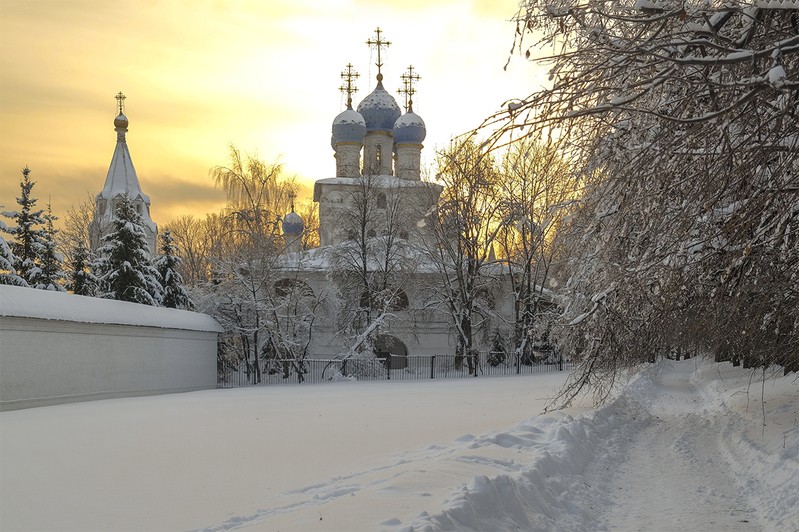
390	345
381	200
398	301
292	288
484	302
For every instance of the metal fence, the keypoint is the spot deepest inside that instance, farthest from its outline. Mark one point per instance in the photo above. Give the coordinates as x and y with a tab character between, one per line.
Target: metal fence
390	367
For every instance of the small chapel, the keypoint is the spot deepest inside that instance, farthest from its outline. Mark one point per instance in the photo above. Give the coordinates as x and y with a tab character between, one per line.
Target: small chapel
121	181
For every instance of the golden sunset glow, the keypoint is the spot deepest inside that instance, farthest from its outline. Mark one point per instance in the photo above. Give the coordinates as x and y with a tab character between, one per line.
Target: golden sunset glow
201	75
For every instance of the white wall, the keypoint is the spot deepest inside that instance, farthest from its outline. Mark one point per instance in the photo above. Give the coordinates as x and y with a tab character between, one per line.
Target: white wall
46	361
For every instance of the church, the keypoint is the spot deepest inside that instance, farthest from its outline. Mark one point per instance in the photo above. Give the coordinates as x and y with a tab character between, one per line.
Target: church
370	287
371	275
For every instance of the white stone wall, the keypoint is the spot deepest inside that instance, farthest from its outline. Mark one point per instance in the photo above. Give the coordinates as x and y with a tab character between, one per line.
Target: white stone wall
44	362
59	348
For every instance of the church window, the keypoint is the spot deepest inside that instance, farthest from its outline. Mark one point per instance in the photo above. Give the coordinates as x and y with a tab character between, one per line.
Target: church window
381	200
392	302
294	288
371	233
378	158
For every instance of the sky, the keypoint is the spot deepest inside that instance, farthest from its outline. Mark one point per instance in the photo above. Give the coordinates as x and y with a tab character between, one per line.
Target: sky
201	75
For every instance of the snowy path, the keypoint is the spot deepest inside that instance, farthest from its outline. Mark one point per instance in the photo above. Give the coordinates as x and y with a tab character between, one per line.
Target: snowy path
681	448
674	476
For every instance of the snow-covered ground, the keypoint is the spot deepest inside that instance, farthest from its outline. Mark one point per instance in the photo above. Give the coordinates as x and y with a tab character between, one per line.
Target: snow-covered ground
682	447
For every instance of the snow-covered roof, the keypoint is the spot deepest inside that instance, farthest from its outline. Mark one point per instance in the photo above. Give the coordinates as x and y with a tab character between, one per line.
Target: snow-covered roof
348	126
324	258
121	179
409	128
293	224
45	305
379	109
378	181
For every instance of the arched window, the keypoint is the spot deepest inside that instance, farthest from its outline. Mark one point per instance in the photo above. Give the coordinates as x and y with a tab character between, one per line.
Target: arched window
371	233
484	301
398	301
381	200
292	288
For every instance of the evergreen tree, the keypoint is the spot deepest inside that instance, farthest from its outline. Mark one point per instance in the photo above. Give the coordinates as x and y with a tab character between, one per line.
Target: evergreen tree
8	274
167	264
124	270
28	245
81	279
51	275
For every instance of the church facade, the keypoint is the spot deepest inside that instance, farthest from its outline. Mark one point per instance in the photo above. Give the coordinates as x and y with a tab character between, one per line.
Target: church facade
372	275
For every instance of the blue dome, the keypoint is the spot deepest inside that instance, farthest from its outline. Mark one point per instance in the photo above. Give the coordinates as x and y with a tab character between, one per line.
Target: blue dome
348	126
293	224
379	109
409	129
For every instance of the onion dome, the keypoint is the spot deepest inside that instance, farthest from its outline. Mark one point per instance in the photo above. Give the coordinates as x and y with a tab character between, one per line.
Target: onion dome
379	109
348	126
293	223
121	121
409	129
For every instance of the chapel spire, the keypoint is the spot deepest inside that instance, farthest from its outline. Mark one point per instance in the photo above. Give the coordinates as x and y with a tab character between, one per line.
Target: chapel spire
121	181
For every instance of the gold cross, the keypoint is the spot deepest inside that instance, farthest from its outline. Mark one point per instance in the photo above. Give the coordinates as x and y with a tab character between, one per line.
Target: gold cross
408	79
379	44
120	98
349	76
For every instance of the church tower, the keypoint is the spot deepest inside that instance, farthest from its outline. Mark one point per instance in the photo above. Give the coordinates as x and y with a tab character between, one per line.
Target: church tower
121	181
380	111
378	156
409	132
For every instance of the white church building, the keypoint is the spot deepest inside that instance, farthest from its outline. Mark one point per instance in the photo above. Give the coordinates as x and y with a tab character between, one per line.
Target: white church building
372	231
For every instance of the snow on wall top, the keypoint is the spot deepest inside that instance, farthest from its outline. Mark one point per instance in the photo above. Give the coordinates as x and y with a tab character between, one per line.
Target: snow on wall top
21	302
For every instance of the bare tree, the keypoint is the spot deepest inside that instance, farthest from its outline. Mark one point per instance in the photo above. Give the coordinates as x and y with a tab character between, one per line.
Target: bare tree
683	119
373	264
535	191
74	234
464	230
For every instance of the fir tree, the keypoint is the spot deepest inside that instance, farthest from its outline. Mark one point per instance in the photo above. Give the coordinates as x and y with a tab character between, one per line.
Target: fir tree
51	273
167	264
123	266
82	281
8	274
28	245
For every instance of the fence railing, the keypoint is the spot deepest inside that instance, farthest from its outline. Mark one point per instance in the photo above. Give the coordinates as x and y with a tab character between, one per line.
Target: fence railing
390	367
